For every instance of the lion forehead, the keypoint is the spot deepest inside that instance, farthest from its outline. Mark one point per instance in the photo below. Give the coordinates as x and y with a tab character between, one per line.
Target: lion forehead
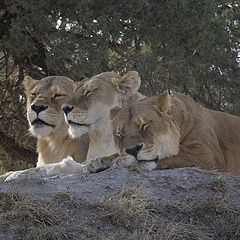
139	120
91	83
100	79
137	114
54	84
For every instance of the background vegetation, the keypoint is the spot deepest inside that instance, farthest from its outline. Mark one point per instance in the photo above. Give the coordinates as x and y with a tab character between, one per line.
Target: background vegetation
188	46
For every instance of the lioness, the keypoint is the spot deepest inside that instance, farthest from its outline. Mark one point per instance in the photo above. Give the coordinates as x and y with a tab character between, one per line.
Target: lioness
87	111
45	98
164	132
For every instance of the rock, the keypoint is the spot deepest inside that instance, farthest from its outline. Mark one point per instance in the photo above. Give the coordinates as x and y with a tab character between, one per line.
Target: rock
120	204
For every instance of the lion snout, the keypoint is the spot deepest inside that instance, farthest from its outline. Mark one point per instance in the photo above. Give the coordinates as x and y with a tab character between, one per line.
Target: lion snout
134	150
67	108
38	107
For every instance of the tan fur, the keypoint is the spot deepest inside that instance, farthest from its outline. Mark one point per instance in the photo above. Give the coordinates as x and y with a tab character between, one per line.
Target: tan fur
92	102
53	144
175	132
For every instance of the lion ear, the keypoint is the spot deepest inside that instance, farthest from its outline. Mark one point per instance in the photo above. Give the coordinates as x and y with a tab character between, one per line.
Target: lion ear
164	103
29	82
129	83
114	111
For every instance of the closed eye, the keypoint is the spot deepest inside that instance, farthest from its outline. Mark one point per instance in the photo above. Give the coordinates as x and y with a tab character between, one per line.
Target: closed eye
89	92
144	126
33	95
59	96
119	134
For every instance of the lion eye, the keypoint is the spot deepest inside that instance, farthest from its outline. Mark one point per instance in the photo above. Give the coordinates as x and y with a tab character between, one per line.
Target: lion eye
59	96
87	93
119	134
33	95
144	126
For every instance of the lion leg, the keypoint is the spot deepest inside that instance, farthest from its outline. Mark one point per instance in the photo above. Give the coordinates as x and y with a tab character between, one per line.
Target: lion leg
191	159
69	166
174	162
27	174
66	166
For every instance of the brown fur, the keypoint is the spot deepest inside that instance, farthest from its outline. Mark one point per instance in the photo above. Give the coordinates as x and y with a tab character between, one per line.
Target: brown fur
175	132
92	102
56	145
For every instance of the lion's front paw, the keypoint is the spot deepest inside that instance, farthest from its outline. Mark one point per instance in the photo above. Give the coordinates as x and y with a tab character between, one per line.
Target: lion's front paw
163	164
27	174
93	167
99	164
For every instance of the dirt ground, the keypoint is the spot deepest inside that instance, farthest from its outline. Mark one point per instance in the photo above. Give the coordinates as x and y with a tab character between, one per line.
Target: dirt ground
121	204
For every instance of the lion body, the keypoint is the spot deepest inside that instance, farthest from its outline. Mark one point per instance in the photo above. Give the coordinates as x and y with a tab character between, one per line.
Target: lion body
175	132
53	142
90	109
88	124
209	139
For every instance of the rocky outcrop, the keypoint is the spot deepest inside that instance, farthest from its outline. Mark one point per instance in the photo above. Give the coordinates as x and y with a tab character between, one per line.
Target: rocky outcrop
120	204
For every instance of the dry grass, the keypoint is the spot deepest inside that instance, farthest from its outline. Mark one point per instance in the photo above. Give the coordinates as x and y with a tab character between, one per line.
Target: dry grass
33	219
132	214
125	215
23	210
26	216
8	201
126	207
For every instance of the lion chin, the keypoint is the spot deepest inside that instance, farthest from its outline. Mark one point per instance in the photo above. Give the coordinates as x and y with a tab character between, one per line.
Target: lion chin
77	131
137	164
41	131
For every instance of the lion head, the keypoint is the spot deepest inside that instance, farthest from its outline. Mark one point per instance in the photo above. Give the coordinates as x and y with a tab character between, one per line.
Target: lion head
90	105
44	100
145	131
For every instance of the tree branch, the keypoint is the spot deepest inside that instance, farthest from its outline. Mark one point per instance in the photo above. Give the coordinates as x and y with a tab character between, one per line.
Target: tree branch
16	152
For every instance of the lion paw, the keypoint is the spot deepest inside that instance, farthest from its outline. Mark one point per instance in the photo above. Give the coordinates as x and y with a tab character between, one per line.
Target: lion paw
27	174
94	167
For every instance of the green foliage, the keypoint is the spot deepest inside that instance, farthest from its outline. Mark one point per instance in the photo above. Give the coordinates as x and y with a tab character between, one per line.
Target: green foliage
189	46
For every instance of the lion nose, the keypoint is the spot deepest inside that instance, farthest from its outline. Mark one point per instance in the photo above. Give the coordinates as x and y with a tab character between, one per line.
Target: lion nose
67	109
38	108
135	150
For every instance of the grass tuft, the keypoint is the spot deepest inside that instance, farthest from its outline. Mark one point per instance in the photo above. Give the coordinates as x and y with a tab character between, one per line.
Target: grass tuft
127	214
